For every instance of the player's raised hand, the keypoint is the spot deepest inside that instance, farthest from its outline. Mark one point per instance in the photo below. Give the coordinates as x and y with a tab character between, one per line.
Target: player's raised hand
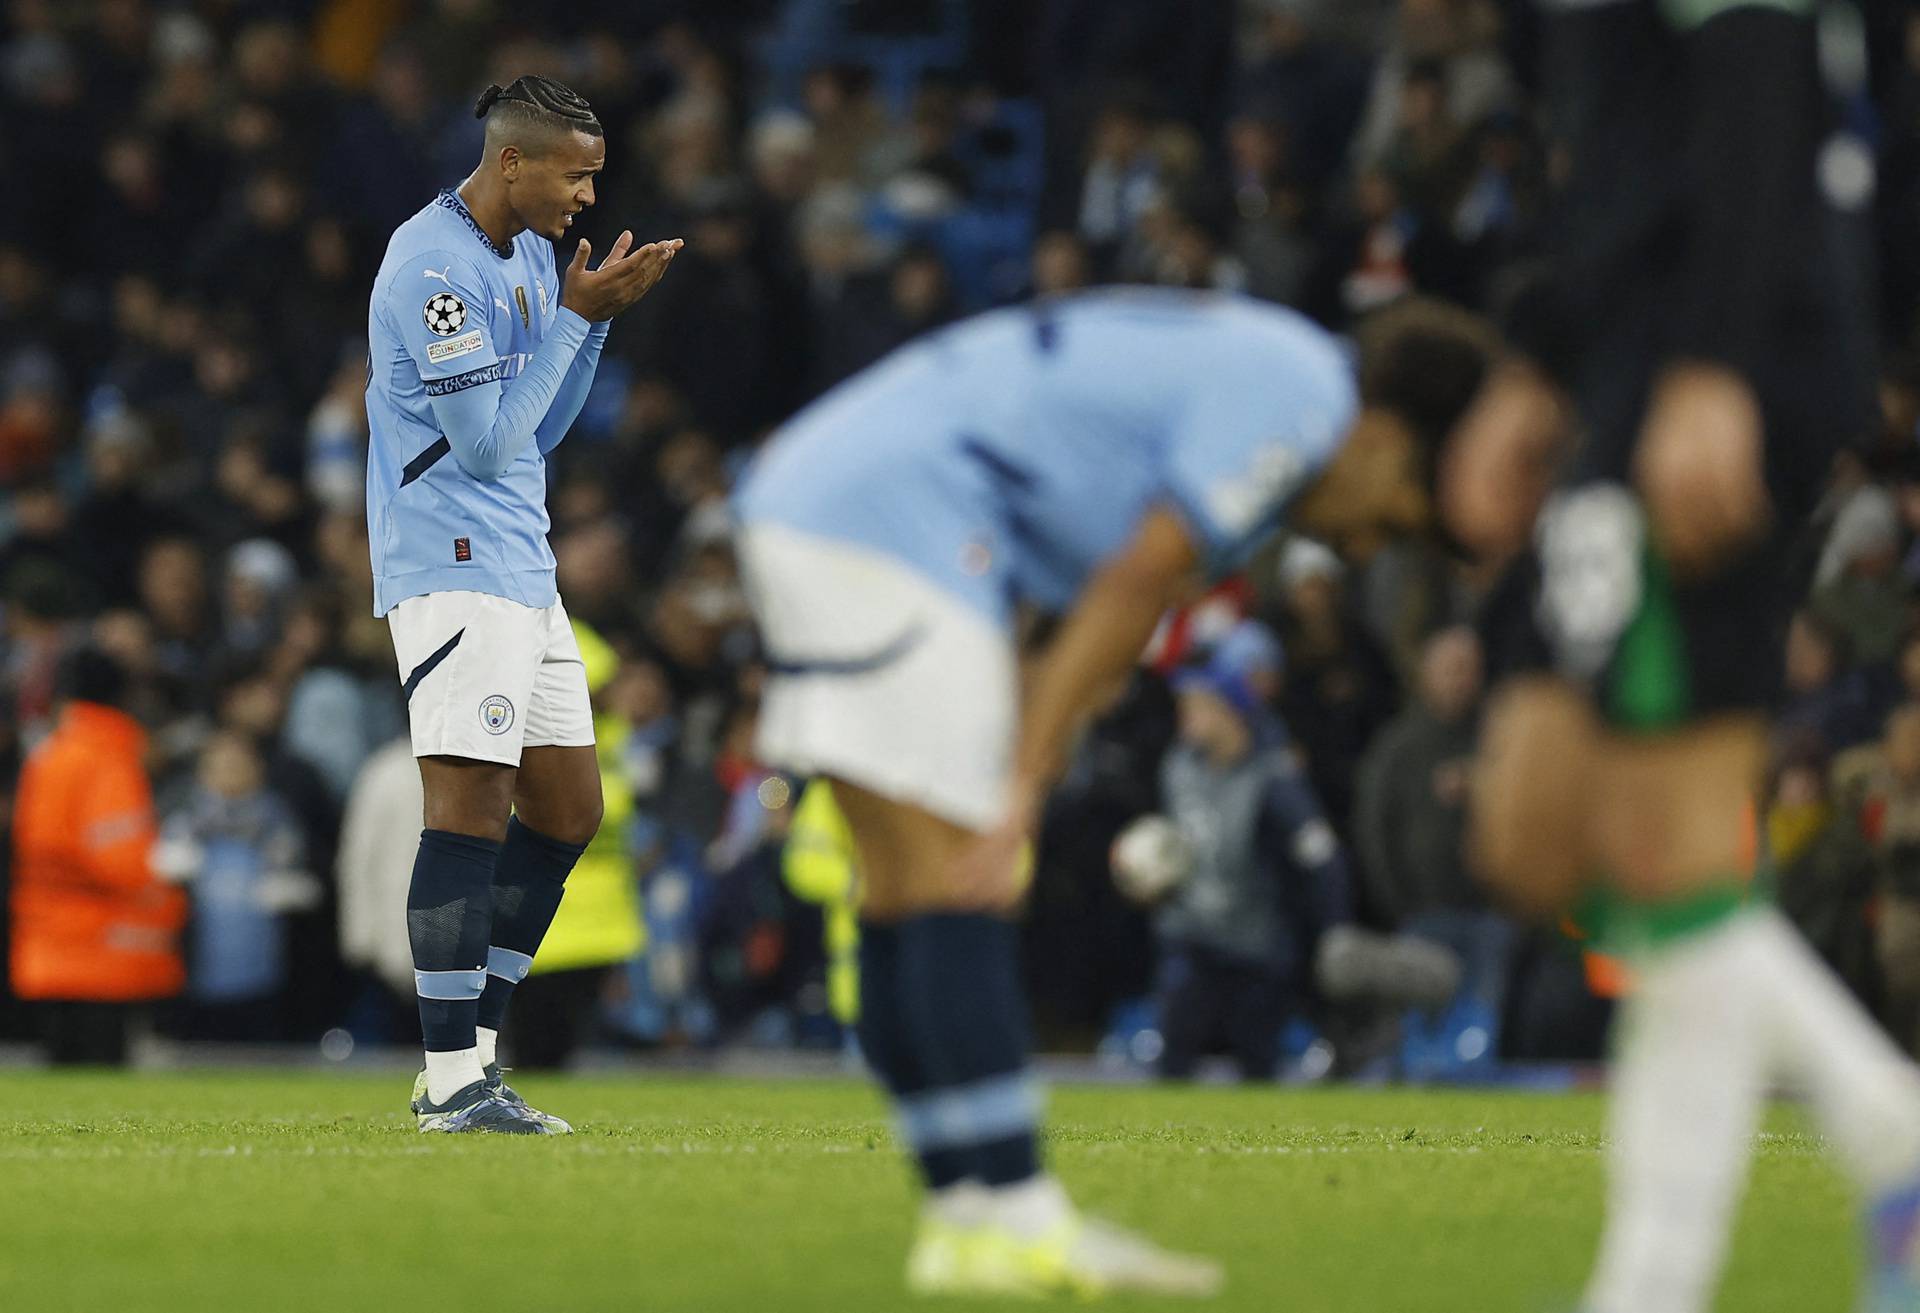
1699	466
623	277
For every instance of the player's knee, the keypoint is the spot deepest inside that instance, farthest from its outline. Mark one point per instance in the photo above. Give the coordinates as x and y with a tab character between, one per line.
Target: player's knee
1527	822
466	797
580	817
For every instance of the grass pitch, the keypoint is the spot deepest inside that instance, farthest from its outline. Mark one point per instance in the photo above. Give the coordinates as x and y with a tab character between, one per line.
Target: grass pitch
268	1192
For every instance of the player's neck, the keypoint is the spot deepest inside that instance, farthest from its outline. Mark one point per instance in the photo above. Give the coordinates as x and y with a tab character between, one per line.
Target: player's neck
486	201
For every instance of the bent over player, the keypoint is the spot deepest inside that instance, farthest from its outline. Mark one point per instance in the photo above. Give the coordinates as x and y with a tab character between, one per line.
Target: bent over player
1095	457
480	355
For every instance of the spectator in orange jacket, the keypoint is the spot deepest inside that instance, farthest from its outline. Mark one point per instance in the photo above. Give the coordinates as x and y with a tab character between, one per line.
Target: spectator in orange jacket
94	928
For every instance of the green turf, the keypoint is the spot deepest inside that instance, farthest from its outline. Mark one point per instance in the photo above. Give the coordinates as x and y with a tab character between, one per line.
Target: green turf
277	1192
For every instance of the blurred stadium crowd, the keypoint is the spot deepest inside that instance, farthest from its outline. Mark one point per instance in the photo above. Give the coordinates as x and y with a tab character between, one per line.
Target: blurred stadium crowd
199	192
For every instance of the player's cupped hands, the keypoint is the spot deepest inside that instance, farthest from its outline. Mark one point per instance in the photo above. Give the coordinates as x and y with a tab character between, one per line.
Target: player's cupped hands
623	277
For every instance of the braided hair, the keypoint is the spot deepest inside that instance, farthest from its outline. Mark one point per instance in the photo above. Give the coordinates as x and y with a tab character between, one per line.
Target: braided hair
532	106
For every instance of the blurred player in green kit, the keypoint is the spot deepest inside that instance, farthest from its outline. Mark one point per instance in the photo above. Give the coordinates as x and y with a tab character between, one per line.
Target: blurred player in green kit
1698	350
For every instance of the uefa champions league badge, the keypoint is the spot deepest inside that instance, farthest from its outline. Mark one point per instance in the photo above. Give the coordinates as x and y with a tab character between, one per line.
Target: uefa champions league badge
496	715
445	314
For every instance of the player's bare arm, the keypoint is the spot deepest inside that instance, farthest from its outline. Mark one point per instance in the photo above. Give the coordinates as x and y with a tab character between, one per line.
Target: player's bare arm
1098	643
1498	467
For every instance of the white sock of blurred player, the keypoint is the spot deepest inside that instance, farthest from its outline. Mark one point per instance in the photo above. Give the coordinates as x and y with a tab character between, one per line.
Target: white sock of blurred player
1711	1024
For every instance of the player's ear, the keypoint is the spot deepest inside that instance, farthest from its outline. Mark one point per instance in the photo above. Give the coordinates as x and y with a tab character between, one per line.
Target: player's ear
510	158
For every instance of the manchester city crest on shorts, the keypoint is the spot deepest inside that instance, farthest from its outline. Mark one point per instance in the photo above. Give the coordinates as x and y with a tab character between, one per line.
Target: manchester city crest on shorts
496	715
445	314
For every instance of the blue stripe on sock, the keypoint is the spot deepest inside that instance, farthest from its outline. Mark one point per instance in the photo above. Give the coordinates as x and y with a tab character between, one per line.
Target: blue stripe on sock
961	1116
507	964
450	985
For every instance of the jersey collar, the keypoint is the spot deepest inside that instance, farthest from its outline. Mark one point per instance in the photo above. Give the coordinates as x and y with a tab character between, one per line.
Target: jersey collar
451	199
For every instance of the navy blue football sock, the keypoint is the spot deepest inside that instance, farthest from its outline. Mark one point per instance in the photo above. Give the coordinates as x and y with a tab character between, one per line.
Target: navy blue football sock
887	1040
528	880
449	907
967	1014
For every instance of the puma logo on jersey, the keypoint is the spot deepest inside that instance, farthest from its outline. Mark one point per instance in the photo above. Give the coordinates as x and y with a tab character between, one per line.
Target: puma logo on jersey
440	273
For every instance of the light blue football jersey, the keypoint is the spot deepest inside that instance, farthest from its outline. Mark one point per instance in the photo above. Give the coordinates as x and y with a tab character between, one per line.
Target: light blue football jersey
474	373
1005	457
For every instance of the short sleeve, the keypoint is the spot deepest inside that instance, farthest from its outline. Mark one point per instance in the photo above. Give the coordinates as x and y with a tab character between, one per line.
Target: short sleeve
1238	456
439	305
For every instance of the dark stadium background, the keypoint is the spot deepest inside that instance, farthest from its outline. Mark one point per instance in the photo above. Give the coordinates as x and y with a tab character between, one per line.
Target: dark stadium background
196	195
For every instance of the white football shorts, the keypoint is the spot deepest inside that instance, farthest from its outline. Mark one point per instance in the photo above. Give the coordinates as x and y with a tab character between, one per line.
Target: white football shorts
879	677
485	677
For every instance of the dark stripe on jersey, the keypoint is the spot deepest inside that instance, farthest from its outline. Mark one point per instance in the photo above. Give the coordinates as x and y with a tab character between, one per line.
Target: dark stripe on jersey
1003	470
425	461
473	378
428	666
865	665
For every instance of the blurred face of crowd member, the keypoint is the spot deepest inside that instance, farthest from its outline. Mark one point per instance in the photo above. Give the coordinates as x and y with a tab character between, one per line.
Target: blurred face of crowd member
722	236
1797	812
173	587
780	152
833	239
1812	660
273	201
1431	28
132	170
830	92
1900	404
689	468
1059	264
1210	725
1909	666
1375	196
253	706
1189	256
230	767
1257	149
1313	597
127	637
329	258
1903	744
312	629
401	86
1450	674
266	58
23	283
222	366
920	287
243	478
582	500
1798	786
340	541
116	453
1423	101
39	512
593	564
689	149
1119	134
640	694
137	308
